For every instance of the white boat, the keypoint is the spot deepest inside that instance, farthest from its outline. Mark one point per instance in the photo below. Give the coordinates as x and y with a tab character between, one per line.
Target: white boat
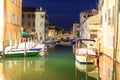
32	46
85	54
52	41
20	50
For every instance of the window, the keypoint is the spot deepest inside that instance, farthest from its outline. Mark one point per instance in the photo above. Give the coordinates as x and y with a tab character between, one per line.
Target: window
41	15
28	15
105	17
33	15
107	71
23	15
42	24
14	19
14	2
108	13
28	23
113	15
92	36
101	20
33	30
109	18
22	23
33	23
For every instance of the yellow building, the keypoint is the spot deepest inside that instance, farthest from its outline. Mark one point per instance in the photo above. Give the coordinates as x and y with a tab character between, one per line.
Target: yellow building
108	10
118	33
93	23
93	26
10	22
108	24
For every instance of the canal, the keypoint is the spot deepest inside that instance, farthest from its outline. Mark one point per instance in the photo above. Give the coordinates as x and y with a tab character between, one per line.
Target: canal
58	64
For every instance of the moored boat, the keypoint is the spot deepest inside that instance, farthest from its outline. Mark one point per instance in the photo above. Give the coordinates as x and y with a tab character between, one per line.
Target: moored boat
21	53
20	50
85	53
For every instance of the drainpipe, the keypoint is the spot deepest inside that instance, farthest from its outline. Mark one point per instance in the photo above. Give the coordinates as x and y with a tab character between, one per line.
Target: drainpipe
115	41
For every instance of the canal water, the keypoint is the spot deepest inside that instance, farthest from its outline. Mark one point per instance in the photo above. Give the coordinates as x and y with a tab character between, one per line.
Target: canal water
58	64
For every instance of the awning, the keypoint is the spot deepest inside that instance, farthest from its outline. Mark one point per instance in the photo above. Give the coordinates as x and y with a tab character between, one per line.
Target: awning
25	34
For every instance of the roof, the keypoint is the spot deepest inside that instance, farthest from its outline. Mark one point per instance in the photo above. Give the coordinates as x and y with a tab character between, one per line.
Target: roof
28	9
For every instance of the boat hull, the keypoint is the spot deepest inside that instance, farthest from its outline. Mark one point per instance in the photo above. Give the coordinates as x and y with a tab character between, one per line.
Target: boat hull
21	54
85	59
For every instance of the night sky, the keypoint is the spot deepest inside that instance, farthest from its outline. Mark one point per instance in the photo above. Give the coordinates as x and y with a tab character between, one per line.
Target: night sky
63	13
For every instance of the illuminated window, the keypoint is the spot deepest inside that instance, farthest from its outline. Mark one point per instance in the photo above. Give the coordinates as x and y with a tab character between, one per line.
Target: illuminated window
42	24
92	36
113	15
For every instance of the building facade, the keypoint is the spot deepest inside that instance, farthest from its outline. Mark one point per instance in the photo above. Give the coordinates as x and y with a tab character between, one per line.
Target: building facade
76	30
83	23
93	23
109	30
10	22
118	32
41	23
35	21
52	31
28	19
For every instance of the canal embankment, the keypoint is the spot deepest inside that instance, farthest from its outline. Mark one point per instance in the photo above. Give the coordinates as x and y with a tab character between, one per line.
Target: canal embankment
64	43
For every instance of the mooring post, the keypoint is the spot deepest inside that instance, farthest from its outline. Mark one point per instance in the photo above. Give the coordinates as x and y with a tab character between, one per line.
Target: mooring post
25	47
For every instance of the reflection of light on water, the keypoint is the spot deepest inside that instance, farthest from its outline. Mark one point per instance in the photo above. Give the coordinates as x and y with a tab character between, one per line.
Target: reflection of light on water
10	64
39	65
24	66
15	62
14	69
1	71
84	67
28	64
87	70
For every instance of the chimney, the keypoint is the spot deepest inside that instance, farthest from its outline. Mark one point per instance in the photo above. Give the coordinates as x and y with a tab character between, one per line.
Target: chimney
40	8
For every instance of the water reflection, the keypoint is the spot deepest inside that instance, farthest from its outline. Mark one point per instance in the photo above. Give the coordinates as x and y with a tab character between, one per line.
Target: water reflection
21	68
85	71
84	67
59	64
106	67
118	71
